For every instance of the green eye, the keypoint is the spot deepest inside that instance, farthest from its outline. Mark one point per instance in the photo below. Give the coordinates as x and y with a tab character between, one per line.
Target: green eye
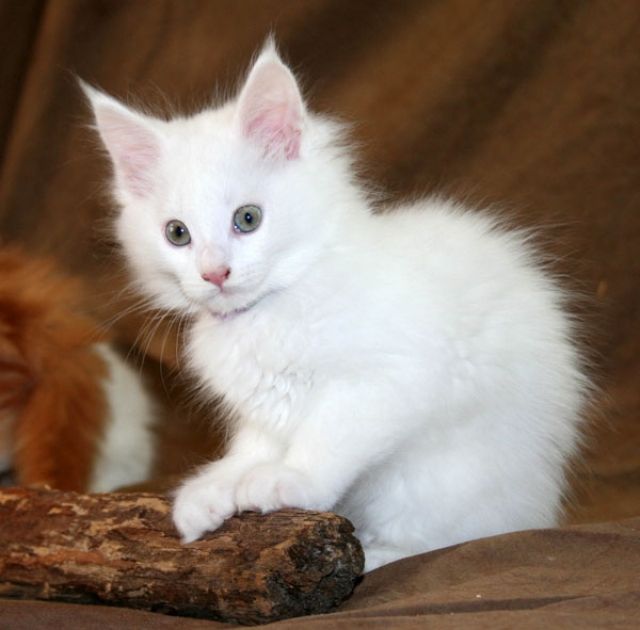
247	218
177	233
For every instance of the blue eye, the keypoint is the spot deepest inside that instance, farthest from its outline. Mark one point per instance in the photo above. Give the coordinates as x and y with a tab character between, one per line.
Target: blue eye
247	218
177	233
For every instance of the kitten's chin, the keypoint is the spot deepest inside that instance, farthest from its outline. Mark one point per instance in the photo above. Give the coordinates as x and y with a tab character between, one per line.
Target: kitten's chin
232	310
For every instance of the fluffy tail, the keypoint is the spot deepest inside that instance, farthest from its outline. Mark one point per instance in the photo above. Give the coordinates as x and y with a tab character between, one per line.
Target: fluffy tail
53	408
59	428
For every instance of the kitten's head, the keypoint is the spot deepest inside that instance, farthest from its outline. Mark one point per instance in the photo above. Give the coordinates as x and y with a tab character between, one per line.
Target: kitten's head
222	208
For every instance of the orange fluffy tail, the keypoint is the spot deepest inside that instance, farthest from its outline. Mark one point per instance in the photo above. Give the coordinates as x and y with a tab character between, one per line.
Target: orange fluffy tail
58	432
52	403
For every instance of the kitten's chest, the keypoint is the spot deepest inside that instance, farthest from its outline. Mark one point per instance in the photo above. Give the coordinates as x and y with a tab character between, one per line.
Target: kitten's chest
263	374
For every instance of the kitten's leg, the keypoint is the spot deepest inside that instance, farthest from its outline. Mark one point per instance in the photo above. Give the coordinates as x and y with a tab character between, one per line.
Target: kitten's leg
349	431
205	500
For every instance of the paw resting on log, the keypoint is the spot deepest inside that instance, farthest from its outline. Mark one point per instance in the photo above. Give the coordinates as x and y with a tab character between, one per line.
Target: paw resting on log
122	549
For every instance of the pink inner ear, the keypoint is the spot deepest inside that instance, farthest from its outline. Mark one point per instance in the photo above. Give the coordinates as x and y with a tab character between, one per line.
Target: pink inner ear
137	159
271	109
133	148
277	131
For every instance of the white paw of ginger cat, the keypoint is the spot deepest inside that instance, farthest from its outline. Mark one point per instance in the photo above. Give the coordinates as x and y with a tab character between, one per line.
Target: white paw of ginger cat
413	370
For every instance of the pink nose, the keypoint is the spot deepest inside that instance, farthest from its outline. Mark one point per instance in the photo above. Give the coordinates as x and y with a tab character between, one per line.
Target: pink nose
217	276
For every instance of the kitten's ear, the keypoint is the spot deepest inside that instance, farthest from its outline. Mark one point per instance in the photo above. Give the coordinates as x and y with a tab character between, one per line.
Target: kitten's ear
270	108
129	137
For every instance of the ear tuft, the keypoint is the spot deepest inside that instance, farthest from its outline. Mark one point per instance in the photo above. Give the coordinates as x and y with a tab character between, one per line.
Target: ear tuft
129	137
270	47
270	108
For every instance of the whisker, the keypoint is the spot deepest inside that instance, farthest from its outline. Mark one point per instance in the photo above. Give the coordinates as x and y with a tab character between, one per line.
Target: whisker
145	336
171	328
141	306
184	319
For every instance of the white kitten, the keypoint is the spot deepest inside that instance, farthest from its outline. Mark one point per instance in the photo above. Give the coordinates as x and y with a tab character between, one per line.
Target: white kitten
412	370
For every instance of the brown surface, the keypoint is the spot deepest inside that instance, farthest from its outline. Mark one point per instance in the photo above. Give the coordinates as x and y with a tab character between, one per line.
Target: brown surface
122	549
529	105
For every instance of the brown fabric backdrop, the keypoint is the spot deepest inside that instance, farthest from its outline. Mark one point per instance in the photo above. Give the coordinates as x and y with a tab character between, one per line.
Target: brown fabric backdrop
531	105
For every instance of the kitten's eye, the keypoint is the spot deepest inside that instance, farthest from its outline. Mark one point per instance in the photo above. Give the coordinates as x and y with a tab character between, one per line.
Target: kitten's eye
177	233
247	218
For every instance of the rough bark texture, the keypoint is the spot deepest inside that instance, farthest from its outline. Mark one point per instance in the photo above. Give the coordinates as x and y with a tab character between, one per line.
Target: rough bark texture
122	549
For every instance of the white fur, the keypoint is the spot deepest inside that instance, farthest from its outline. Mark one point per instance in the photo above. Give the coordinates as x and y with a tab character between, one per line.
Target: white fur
413	370
126	451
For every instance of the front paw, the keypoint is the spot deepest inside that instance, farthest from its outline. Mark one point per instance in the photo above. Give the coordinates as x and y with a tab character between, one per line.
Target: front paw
201	505
269	487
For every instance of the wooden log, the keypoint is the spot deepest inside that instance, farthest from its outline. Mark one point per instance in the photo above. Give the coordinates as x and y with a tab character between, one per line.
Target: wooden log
122	549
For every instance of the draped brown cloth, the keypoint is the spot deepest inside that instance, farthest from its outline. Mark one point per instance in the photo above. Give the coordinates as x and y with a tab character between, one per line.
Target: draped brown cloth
530	106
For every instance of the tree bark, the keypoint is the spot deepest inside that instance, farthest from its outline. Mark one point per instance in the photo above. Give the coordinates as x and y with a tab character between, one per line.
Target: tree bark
122	549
